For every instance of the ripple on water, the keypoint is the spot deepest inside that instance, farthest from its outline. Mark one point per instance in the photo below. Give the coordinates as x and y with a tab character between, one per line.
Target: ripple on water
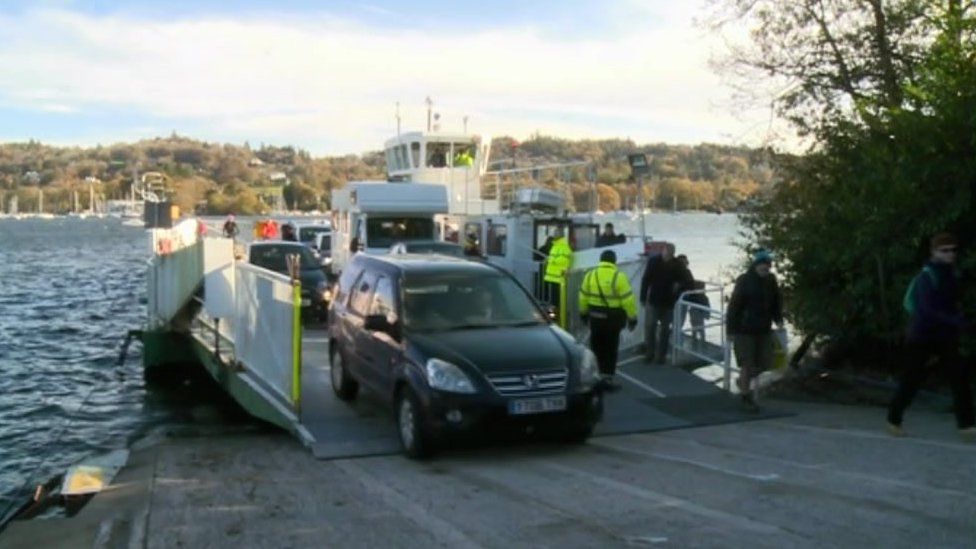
61	325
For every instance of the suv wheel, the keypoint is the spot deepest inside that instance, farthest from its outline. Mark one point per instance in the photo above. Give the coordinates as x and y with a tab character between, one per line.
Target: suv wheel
412	426
577	434
344	386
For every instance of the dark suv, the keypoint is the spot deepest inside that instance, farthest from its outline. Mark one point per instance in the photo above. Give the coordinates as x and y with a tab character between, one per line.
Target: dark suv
271	255
457	345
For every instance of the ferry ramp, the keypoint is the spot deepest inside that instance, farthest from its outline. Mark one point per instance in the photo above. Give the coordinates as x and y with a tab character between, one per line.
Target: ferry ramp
241	323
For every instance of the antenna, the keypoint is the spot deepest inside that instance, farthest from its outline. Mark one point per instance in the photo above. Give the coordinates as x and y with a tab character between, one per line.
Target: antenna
430	105
398	119
465	119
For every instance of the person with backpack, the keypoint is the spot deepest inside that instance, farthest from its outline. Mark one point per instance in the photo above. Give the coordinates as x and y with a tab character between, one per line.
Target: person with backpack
932	337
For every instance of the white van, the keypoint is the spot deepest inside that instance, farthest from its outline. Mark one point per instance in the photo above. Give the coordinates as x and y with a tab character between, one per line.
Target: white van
371	216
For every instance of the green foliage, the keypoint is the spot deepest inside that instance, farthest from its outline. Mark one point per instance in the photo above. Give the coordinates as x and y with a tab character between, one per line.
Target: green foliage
851	221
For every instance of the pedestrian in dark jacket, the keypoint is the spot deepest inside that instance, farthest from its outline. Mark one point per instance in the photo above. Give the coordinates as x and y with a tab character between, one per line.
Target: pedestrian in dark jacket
933	333
755	305
659	290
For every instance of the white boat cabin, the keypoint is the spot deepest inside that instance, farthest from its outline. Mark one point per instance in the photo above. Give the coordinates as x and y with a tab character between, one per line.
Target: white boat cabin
456	161
518	239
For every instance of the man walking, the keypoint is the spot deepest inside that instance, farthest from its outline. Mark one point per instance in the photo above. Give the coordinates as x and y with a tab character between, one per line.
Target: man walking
658	287
606	299
933	337
755	304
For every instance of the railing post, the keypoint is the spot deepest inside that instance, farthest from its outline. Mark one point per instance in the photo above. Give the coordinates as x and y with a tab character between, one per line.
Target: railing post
294	267
562	300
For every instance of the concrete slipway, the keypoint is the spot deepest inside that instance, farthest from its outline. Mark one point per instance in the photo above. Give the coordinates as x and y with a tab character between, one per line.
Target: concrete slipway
826	476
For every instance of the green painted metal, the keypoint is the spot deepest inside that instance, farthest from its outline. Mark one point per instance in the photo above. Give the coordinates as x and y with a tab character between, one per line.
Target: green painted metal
162	347
562	303
296	345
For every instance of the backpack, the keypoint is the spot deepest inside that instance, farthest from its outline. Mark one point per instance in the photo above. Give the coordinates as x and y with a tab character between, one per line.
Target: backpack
910	301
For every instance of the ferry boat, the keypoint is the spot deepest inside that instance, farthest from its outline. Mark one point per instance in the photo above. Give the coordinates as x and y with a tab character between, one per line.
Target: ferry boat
242	323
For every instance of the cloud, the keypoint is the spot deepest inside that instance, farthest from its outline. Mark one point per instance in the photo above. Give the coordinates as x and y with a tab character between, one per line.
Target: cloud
330	83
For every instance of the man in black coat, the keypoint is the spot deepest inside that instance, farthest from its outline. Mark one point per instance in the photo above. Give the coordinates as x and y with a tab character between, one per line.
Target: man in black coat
755	304
660	286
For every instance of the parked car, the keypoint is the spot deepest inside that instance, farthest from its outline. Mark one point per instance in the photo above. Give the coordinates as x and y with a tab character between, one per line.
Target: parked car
457	346
316	294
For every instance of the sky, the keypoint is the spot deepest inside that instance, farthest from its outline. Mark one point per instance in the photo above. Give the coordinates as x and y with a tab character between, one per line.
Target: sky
327	76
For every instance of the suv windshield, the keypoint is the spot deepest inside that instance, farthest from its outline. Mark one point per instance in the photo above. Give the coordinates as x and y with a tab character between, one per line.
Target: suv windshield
463	300
272	257
383	232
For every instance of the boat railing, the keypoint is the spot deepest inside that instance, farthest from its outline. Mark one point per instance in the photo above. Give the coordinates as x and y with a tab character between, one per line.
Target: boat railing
175	271
705	337
243	314
263	330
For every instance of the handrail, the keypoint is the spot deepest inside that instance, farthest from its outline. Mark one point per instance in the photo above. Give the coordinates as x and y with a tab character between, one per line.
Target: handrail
679	335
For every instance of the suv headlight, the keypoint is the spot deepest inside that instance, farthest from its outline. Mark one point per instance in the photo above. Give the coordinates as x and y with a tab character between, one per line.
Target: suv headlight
589	370
447	377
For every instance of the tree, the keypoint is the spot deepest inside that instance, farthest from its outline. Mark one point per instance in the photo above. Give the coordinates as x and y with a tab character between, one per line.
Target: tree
887	91
607	197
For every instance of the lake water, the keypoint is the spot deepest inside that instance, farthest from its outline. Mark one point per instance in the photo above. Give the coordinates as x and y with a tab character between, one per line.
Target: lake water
70	290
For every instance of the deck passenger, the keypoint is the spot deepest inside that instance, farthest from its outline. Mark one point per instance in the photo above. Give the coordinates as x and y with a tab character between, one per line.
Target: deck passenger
230	227
607	301
658	294
558	263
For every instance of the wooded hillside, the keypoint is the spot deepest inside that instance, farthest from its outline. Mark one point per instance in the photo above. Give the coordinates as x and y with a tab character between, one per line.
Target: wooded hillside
217	178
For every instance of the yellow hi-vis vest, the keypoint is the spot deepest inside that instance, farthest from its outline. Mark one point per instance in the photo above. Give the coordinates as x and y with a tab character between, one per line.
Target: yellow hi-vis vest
559	261
605	286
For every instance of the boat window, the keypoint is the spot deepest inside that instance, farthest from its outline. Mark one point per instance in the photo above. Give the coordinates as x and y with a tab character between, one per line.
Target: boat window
325	244
383	232
497	239
390	160
362	292
415	154
473	229
437	154
404	157
463	155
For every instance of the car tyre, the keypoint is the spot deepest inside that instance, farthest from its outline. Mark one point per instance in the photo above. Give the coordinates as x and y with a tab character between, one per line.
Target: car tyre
578	434
343	385
412	426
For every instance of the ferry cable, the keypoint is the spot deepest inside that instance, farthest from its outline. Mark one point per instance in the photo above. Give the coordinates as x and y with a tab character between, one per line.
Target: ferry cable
6	517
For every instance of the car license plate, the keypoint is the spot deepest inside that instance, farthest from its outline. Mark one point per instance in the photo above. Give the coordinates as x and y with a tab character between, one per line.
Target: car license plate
306	302
537	405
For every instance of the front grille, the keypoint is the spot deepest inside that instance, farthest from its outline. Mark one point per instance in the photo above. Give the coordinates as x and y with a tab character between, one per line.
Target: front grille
529	383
